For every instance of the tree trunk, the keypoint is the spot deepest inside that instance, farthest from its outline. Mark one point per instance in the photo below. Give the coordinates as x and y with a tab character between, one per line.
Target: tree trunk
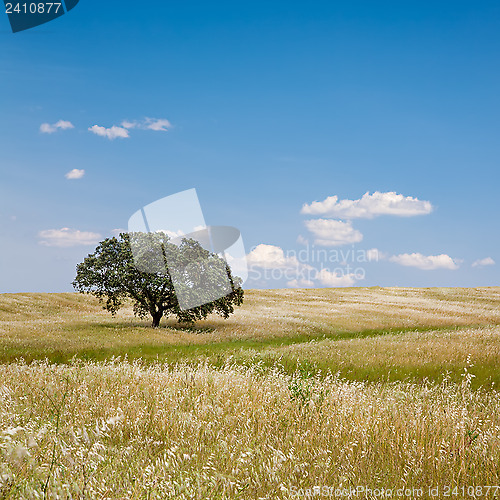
156	318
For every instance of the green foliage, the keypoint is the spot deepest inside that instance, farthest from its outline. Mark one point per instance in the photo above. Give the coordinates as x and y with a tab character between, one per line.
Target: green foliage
304	385
112	275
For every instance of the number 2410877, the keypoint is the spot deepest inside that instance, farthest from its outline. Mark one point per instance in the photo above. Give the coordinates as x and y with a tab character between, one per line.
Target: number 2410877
32	8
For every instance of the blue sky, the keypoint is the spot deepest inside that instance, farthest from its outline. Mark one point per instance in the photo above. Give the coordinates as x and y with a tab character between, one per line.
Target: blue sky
271	105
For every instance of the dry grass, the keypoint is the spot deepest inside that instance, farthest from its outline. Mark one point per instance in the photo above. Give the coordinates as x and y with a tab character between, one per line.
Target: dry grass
261	417
432	354
365	334
71	323
442	346
123	431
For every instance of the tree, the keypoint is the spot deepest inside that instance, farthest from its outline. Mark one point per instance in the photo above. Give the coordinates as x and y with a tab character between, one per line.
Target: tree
134	266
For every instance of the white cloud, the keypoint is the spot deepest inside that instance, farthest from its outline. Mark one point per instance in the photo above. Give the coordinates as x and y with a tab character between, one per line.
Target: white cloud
487	261
114	132
271	257
275	264
238	265
64	125
66	237
118	231
369	206
335	279
298	274
374	255
156	124
333	232
75	174
128	124
426	262
47	128
111	133
300	283
172	234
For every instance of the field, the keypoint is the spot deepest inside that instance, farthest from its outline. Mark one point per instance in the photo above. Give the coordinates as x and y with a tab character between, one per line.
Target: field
353	388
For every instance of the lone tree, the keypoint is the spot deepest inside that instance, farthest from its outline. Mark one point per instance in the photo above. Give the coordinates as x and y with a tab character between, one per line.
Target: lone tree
134	266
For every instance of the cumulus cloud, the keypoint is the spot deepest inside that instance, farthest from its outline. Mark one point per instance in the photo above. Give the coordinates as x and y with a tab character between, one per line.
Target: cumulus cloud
369	206
47	128
333	233
297	274
487	261
75	174
271	257
156	124
67	237
335	279
111	133
426	262
276	264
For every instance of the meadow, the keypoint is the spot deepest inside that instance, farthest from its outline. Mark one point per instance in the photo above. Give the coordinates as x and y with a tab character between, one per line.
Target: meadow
338	389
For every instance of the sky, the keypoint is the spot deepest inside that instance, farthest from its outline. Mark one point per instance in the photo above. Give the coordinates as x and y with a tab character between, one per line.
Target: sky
353	143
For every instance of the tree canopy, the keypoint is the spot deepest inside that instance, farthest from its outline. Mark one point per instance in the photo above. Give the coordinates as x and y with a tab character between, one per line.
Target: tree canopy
159	277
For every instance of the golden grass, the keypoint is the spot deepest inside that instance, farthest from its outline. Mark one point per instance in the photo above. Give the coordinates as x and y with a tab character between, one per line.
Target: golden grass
251	428
68	322
125	431
433	350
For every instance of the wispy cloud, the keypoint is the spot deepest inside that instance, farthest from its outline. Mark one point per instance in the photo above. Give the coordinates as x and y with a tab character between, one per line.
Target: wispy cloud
487	261
123	131
426	262
75	174
369	206
47	128
156	124
110	133
332	233
67	237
